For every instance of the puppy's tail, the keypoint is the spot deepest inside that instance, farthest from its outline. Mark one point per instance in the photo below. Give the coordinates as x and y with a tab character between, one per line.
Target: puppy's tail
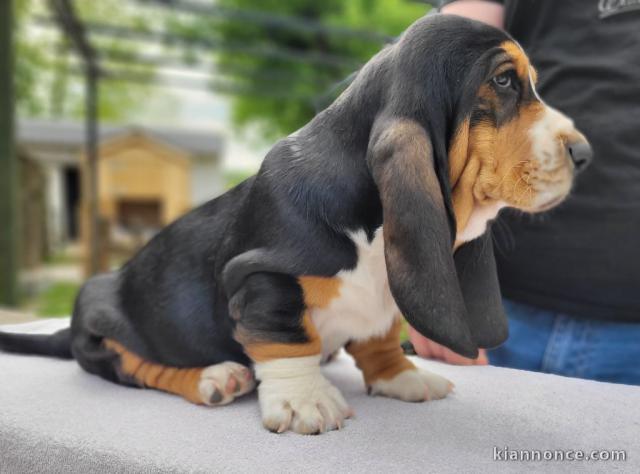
55	345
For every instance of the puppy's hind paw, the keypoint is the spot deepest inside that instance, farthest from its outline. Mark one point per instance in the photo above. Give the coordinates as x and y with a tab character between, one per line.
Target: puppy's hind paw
220	384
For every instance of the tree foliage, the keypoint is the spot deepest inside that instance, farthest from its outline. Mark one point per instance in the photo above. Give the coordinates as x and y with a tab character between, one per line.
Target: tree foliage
284	94
48	75
279	59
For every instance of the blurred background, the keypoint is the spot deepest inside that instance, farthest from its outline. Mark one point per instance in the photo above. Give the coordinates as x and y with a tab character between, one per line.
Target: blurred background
118	116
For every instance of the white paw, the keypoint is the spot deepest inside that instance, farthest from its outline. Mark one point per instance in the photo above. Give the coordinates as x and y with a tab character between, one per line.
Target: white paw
414	385
294	395
222	383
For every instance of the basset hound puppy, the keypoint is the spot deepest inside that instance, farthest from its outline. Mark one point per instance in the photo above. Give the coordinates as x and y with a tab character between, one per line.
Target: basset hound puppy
375	210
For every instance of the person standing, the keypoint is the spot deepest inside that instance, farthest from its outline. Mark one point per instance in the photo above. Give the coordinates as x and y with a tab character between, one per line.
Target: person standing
571	277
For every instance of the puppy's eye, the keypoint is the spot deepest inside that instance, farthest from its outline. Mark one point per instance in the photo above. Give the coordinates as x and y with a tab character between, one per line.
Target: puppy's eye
503	80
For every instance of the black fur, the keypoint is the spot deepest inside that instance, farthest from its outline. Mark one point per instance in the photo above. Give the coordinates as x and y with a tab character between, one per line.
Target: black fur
171	302
56	345
270	306
478	275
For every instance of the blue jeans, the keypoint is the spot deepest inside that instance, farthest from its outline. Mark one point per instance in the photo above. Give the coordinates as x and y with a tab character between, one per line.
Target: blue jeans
556	343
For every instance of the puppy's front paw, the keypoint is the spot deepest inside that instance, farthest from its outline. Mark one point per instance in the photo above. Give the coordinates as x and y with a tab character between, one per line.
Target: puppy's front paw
294	395
414	385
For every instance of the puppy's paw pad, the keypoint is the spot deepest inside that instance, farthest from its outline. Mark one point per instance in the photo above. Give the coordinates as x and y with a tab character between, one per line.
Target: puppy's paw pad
313	409
415	385
220	384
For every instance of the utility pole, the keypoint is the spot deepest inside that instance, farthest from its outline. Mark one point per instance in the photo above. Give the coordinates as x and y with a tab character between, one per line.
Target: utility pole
78	38
9	251
91	124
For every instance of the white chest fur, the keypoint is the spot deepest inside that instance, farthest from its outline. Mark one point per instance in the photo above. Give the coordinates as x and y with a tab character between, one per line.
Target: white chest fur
477	224
364	307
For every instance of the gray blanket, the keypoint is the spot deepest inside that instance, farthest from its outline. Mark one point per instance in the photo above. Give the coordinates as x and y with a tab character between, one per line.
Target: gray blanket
56	418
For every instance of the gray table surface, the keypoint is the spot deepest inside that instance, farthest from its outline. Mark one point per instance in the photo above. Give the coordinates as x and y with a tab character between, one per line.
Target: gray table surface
56	418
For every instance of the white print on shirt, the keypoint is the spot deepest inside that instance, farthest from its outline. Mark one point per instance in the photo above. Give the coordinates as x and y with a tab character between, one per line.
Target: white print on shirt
609	8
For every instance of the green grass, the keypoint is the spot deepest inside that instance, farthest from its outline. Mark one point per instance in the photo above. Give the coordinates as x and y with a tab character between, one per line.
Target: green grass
404	332
57	300
63	258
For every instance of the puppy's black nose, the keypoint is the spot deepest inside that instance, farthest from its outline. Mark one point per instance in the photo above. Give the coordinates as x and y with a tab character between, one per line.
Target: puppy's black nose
580	153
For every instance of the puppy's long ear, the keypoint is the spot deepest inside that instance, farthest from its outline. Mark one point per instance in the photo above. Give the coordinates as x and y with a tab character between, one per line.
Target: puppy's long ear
417	235
476	267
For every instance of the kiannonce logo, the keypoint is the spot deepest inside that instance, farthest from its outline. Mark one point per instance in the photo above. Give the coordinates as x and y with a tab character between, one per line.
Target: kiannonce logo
609	8
538	455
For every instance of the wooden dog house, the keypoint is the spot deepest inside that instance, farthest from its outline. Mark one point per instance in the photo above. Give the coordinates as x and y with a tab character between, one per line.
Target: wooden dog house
148	176
142	181
143	185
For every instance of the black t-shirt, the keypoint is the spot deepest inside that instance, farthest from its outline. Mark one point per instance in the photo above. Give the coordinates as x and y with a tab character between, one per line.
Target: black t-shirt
582	258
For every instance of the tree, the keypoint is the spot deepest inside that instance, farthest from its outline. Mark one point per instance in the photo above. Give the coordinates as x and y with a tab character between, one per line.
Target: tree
48	78
284	58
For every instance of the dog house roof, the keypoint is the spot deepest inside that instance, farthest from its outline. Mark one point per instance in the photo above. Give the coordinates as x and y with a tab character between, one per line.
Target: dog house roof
71	136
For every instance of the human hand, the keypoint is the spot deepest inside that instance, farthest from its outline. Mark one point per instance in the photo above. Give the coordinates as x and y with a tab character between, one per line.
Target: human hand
432	350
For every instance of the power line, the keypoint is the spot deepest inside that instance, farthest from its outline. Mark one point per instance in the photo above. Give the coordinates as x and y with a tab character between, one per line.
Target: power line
211	83
161	61
72	26
268	19
287	54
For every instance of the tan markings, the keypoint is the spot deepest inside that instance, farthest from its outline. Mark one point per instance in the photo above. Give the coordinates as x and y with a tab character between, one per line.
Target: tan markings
319	291
409	141
501	160
381	357
498	161
487	93
507	66
458	152
519	58
183	382
464	167
264	351
515	166
462	195
491	167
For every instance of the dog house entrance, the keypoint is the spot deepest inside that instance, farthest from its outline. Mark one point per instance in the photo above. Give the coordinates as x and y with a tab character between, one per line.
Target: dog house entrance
139	216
